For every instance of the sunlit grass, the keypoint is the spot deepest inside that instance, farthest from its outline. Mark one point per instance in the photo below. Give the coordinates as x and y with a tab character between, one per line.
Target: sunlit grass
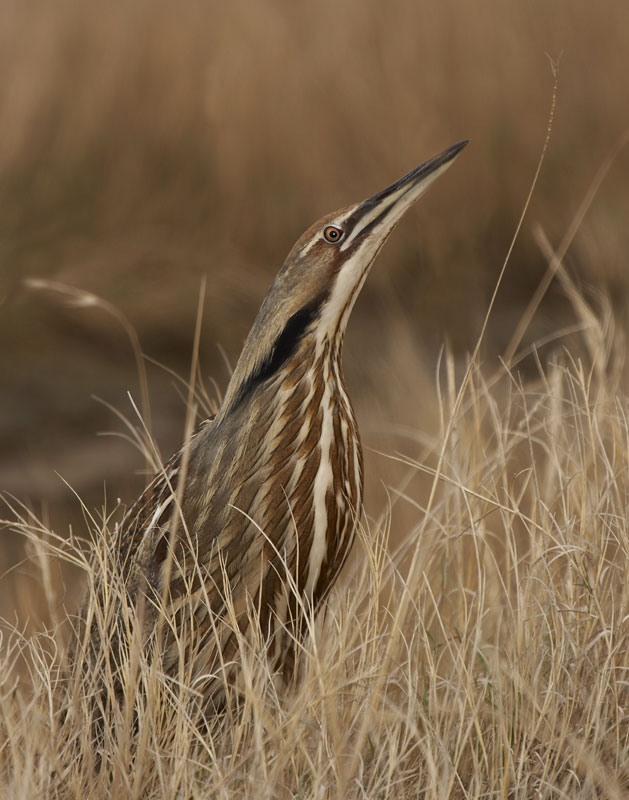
485	656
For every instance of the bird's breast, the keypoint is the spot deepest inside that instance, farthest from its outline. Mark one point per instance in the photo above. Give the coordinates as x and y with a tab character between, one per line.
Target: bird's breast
337	486
293	465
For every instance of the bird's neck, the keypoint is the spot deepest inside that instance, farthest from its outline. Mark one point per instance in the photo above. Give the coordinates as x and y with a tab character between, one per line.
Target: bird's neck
314	376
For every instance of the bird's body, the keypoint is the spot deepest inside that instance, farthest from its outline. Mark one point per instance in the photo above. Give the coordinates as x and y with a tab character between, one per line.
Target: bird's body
280	496
272	486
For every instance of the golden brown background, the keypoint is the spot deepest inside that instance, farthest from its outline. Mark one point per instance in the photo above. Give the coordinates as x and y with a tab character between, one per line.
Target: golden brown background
145	144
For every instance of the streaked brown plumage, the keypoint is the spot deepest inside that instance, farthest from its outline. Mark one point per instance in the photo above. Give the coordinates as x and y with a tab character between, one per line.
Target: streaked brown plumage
273	484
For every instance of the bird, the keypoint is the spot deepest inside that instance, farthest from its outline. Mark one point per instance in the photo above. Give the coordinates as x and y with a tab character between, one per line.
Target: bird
253	519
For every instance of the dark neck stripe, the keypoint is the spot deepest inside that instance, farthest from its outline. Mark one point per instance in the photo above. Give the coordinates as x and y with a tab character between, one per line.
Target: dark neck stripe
283	349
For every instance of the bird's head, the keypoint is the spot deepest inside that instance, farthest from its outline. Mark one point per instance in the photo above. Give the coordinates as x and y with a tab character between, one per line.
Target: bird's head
314	292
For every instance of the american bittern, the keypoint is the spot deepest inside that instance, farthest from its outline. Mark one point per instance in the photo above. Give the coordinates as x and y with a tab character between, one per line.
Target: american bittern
274	483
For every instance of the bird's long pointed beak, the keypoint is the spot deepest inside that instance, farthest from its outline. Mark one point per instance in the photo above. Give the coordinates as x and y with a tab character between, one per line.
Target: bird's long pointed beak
379	213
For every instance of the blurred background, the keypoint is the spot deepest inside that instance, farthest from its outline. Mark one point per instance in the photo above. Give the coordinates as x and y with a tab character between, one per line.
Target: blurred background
145	145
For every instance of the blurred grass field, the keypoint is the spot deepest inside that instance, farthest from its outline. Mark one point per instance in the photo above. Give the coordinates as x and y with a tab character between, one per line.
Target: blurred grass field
144	146
147	147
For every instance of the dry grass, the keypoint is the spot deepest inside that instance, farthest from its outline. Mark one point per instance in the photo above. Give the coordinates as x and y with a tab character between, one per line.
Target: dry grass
484	655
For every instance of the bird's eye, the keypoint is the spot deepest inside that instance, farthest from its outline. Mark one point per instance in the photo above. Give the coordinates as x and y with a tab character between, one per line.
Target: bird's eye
332	234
